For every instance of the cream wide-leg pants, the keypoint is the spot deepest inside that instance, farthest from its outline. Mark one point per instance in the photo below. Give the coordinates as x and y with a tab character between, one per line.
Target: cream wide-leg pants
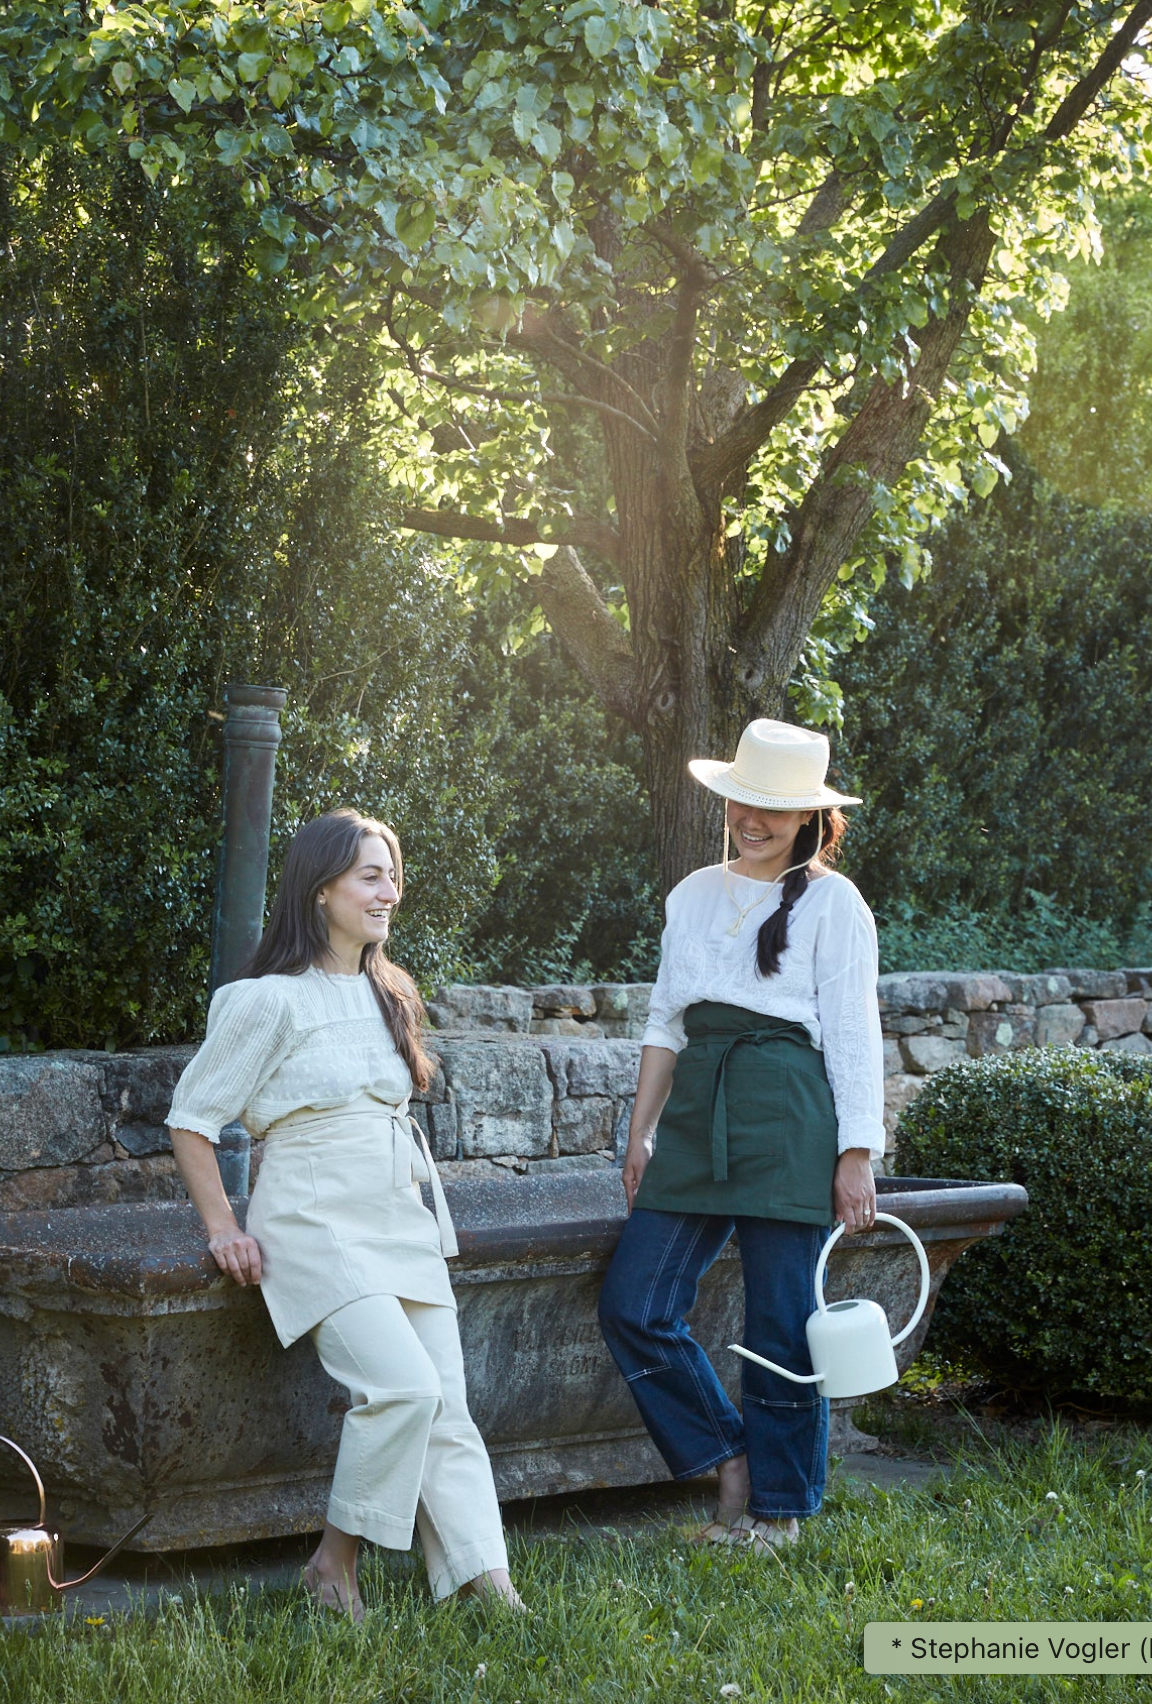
410	1454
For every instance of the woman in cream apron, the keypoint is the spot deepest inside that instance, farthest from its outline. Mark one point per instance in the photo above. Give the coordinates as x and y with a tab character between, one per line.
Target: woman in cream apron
317	1049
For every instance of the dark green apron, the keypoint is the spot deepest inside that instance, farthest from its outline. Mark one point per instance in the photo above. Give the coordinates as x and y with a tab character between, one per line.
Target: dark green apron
750	1124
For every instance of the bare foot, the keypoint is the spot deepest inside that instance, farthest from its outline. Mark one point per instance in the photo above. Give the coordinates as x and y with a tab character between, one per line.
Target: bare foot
494	1587
336	1591
735	1486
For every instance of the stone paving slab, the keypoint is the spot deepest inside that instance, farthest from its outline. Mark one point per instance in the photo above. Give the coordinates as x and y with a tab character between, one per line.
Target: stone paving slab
135	1583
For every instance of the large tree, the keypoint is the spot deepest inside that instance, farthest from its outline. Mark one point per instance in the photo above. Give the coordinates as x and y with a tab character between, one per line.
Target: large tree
713	303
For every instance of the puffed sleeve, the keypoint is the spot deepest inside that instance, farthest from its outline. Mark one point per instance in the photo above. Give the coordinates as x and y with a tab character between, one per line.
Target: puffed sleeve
665	1026
847	964
249	1033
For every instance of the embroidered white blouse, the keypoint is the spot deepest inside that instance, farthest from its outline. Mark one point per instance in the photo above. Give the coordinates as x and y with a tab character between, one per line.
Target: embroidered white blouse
277	1044
826	980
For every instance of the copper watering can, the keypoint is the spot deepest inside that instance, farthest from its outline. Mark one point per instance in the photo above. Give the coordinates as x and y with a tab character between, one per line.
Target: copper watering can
32	1558
848	1342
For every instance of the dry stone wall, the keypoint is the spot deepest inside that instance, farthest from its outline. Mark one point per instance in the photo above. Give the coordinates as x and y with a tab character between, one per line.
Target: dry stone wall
531	1079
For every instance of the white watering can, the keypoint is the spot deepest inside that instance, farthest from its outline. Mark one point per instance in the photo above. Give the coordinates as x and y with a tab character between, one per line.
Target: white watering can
849	1342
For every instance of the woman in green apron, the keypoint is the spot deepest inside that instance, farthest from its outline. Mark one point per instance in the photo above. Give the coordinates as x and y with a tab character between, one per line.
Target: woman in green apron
759	1108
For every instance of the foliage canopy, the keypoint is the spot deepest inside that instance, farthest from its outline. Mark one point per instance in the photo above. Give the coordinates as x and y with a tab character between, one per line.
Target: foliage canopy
721	300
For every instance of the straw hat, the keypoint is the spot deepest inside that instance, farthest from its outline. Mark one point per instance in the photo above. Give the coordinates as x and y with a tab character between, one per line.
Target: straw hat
778	767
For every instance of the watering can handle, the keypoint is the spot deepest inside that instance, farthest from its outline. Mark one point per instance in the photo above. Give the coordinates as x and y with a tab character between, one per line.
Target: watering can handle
31	1466
925	1279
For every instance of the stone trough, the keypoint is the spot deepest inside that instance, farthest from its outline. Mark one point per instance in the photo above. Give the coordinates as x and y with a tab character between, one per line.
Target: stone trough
140	1379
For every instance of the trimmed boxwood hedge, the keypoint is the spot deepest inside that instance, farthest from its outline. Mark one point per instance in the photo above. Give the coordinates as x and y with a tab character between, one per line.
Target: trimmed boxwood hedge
1063	1299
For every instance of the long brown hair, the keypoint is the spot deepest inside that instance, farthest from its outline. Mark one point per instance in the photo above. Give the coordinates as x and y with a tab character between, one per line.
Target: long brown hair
297	934
817	842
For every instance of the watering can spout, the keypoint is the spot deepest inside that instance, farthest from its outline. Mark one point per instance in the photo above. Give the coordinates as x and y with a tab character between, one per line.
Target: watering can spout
31	1557
849	1342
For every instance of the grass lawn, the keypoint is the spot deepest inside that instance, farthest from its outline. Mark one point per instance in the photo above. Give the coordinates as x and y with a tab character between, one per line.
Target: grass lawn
1045	1527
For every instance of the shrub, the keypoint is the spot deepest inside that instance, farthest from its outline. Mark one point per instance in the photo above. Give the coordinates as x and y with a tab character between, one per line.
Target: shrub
1062	1299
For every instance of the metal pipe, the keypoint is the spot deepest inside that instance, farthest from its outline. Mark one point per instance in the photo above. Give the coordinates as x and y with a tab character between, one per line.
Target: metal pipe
251	736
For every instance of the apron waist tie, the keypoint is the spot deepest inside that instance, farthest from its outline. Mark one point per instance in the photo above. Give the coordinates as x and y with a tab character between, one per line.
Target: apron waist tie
720	1093
404	1176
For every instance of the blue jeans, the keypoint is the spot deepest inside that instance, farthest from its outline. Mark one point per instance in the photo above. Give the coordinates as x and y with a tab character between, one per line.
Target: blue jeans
651	1285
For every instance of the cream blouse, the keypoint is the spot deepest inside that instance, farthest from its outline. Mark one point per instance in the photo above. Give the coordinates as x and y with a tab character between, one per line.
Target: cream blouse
277	1044
826	980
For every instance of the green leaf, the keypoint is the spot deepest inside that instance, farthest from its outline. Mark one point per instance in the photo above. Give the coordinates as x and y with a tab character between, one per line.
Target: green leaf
182	92
123	76
601	36
280	86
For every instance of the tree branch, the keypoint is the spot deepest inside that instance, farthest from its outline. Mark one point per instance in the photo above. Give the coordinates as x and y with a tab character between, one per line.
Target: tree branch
584	625
873	450
581	530
559	398
1077	101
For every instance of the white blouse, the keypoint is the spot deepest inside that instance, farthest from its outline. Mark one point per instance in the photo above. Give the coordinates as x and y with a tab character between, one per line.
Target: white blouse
277	1044
826	980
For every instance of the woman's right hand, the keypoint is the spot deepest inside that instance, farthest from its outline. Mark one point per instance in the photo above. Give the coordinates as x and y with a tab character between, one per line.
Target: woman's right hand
236	1254
636	1157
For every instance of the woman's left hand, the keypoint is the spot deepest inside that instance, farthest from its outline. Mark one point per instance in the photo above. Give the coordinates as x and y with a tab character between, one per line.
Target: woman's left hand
854	1191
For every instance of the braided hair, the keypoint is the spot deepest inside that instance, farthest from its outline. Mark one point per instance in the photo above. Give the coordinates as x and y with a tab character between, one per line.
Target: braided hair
817	841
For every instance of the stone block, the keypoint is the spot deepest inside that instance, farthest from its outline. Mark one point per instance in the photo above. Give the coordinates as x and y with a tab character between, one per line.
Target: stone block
955	1025
1049	988
1140	982
608	1067
584	1126
1094	984
1127	1044
137	1091
1057	1026
568	1163
1112	1018
911	992
893	1058
898	1093
1087	1037
54	1187
437	1119
903	1025
567	1026
503	1096
437	1089
143	1138
622	1007
923	1054
51	1111
457	1007
560	1000
1000	1032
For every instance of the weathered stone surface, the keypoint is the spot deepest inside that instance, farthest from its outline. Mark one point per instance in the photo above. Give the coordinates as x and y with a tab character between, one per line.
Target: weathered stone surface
1057	1026
893	1059
1127	1044
910	992
1046	989
904	1025
976	993
584	1126
139	1378
1112	1018
51	1113
457	1007
1087	1037
137	1089
437	1089
503	1096
898	1092
1140	982
622	1007
923	1054
1094	984
44	1187
560	1000
955	1025
1000	1032
568	1026
437	1119
605	1067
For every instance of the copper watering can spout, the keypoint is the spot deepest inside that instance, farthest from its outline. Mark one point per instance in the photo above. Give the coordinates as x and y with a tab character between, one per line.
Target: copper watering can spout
31	1557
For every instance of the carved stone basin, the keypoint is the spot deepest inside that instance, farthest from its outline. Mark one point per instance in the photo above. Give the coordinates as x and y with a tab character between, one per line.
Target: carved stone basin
140	1379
